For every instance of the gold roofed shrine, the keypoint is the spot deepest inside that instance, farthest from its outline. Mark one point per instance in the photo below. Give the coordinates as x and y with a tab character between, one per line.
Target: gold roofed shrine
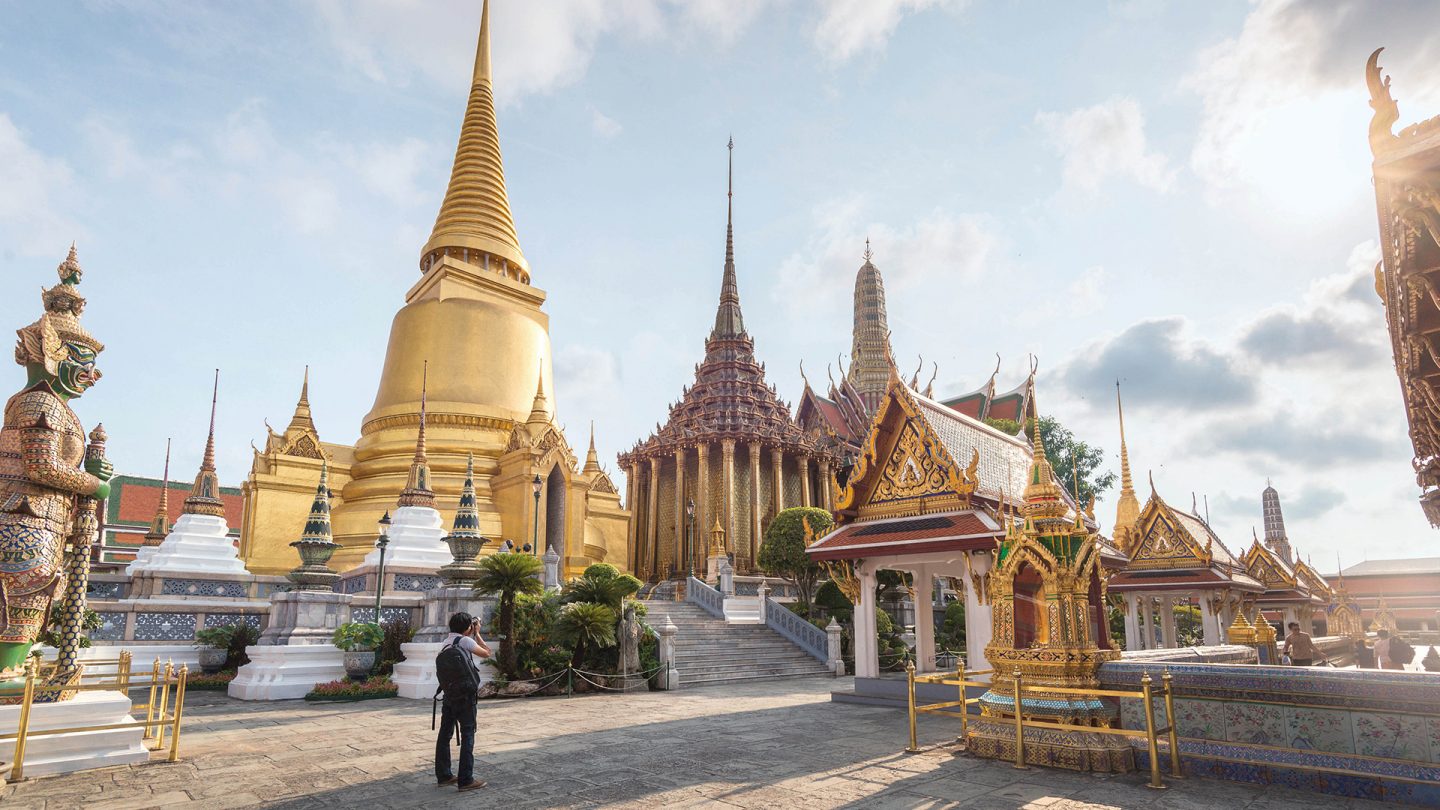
474	319
1407	199
729	454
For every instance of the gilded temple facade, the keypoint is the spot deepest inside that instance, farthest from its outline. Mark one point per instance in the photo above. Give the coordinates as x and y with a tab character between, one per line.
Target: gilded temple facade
1407	200
728	447
475	293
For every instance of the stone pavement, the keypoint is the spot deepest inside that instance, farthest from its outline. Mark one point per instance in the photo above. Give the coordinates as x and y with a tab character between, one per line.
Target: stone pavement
776	744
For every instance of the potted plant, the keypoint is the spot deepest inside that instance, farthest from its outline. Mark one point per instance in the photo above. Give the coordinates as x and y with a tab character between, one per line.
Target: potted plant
359	640
214	646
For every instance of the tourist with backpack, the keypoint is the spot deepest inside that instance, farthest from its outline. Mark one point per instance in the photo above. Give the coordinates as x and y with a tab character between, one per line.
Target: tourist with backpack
1392	652
459	678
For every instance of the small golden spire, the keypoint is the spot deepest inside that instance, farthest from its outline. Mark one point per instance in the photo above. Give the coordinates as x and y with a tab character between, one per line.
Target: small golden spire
592	459
1127	508
417	490
204	496
539	410
302	418
475	224
160	525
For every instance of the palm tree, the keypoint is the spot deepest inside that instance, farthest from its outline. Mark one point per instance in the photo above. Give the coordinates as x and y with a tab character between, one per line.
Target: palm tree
604	584
508	575
586	623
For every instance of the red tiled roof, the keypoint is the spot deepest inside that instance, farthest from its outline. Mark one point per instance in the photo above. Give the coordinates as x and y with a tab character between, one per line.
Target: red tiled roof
961	530
134	499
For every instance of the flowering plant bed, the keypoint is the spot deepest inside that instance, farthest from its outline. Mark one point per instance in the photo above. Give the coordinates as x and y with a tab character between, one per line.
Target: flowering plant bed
372	689
219	682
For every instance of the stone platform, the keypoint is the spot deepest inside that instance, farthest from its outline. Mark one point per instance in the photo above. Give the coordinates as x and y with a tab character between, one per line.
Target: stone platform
78	751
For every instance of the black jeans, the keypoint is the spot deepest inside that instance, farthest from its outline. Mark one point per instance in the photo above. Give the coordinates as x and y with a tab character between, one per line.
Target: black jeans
455	712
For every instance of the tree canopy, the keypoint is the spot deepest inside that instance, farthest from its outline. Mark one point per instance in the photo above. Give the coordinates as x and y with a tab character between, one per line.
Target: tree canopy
1069	455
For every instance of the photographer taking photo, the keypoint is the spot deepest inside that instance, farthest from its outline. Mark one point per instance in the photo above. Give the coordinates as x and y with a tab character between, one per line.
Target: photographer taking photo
459	678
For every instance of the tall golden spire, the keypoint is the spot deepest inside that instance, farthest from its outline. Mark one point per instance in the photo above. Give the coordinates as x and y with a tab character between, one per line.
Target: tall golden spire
1127	509
592	459
160	524
417	490
302	419
729	322
474	224
204	496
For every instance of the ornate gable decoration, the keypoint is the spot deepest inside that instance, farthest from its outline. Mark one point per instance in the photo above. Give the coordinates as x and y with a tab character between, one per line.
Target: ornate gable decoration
1312	580
1263	567
1164	543
602	483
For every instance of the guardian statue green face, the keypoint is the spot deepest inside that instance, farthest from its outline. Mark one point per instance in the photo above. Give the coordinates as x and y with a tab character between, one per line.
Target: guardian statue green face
44	472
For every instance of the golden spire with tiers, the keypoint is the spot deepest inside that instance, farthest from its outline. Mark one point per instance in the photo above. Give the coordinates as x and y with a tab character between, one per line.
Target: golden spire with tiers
1127	508
204	496
417	490
160	524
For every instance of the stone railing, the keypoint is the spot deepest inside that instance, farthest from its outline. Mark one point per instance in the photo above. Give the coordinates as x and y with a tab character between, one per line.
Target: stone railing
806	636
711	600
750	586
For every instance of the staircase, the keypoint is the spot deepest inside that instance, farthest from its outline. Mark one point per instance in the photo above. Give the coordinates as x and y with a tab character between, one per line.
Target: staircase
708	651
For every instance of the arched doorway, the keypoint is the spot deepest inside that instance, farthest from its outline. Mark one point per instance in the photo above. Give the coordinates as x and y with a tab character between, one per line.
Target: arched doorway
555	512
1029	608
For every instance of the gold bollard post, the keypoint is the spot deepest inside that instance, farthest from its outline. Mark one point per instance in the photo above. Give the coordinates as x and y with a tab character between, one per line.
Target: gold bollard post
1170	719
910	692
17	771
1155	781
1019	725
122	673
164	702
179	710
964	708
150	706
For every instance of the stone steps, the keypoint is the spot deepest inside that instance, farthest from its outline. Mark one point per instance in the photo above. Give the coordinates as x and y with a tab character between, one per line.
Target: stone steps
711	652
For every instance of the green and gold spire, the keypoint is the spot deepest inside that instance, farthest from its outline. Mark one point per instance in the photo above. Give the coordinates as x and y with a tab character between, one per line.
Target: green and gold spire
474	224
465	540
204	496
417	490
316	545
467	517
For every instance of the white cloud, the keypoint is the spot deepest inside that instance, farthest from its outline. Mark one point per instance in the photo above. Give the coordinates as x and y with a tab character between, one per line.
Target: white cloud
1103	140
1285	119
35	192
603	125
848	28
391	169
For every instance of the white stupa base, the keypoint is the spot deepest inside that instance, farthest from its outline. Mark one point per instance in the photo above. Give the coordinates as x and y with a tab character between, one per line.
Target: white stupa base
415	676
417	540
288	672
79	750
142	656
142	559
198	544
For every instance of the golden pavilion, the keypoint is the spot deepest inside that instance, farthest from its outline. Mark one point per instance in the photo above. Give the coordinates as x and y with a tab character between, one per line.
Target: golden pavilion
474	321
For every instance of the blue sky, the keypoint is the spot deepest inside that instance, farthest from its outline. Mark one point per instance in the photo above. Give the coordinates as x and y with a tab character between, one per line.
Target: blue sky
1175	194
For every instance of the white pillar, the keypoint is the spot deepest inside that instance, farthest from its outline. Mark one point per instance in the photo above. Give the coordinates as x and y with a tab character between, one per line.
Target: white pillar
924	586
1209	623
1132	623
1146	616
978	630
867	650
1167	622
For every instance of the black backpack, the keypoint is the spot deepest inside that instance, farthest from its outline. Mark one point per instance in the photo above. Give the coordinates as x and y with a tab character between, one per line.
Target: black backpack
1400	651
456	674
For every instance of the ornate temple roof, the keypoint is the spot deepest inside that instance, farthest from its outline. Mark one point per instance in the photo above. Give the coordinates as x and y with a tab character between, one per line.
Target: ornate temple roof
1171	549
474	222
730	398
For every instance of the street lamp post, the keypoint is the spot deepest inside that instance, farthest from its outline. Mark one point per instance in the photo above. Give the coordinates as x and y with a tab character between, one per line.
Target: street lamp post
381	543
690	533
537	484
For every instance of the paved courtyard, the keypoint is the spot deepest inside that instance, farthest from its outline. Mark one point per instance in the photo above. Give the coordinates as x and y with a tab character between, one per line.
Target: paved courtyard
767	745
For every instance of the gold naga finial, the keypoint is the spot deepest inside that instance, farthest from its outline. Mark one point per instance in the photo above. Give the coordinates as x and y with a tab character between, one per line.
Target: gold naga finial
1387	112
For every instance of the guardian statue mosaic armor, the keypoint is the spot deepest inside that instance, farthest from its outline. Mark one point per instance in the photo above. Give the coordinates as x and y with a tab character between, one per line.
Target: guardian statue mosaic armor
50	483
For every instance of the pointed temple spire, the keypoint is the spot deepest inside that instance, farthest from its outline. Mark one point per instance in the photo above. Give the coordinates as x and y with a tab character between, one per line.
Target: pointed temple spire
592	459
317	525
539	408
204	496
467	517
871	362
302	419
729	322
1275	537
417	490
475	224
160	524
1127	509
1044	498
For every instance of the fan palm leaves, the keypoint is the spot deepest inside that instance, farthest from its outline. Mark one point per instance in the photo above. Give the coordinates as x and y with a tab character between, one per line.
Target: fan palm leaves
586	624
507	575
602	584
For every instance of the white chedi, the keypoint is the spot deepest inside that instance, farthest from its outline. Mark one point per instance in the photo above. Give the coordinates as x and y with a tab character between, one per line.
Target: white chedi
417	540
198	544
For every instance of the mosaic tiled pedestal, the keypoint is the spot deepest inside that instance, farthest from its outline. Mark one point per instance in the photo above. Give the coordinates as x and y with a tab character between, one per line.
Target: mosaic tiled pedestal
1053	748
78	751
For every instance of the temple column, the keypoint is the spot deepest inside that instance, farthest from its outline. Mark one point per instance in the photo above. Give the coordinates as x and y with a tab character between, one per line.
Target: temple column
727	488
804	461
1143	621
754	552
924	585
867	646
700	544
1167	621
681	560
631	531
978	628
1132	623
826	485
652	518
777	466
1209	622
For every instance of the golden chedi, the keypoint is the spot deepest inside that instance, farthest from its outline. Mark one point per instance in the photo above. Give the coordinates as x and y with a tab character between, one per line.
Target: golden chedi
474	319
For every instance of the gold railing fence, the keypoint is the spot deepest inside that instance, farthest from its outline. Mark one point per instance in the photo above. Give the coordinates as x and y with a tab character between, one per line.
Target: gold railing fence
161	712
1146	694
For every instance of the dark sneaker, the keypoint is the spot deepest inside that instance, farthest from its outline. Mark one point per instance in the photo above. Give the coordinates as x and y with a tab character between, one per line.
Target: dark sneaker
449	780
476	785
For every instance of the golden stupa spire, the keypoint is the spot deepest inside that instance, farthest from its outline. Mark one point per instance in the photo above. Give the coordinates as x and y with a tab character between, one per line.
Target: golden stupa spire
1127	509
474	224
729	322
538	412
302	419
592	459
160	524
204	496
417	490
1043	496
